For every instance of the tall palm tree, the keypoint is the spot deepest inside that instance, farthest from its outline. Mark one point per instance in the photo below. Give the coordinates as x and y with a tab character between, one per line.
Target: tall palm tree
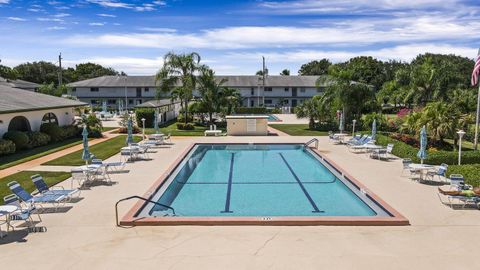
211	91
177	76
309	109
231	100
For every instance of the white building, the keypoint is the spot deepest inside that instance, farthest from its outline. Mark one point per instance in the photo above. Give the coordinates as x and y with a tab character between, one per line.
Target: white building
26	110
286	91
167	109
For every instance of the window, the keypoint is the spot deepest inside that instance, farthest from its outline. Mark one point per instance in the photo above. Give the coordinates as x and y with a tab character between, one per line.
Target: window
19	123
268	89
252	91
319	90
147	89
268	101
94	102
94	89
73	89
287	89
111	101
302	90
50	118
130	101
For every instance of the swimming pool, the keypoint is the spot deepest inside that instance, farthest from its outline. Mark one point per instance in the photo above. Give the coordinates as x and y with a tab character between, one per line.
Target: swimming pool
252	183
273	118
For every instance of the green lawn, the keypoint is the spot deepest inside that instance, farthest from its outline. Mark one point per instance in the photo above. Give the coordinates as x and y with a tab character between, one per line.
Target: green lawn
30	154
104	129
51	178
298	130
101	150
172	129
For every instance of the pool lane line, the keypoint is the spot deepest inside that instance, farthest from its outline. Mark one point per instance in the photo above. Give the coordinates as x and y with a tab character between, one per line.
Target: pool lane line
259	183
229	187
316	210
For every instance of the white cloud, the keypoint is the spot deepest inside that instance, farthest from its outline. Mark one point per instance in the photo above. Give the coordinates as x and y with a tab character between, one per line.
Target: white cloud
18	19
34	10
96	24
119	4
131	65
158	29
61	15
106	15
44	19
160	3
56	28
53	3
4	2
358	32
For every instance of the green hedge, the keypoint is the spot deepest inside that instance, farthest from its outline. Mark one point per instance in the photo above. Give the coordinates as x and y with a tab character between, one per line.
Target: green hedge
187	126
6	147
148	114
36	138
403	150
254	110
19	138
471	172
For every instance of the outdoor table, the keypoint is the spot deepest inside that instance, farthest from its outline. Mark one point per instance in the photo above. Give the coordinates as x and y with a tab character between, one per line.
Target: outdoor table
134	151
422	168
340	136
90	170
6	211
156	136
369	148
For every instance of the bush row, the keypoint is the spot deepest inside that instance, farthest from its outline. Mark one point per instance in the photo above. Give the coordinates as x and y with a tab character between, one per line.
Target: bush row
251	110
471	172
183	126
403	150
148	114
18	140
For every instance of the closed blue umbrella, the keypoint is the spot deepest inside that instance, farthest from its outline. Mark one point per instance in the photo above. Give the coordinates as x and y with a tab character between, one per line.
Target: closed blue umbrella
422	153
86	154
129	131
340	125
374	129
155	122
104	106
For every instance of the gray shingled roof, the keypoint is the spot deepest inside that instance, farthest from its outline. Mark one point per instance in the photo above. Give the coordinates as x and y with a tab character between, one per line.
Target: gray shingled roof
155	103
18	84
18	100
232	81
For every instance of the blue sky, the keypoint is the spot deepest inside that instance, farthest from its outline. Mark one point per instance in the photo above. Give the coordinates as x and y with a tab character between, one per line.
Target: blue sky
232	36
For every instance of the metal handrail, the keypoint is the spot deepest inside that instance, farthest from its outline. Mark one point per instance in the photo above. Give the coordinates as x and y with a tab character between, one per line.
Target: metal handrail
140	198
311	141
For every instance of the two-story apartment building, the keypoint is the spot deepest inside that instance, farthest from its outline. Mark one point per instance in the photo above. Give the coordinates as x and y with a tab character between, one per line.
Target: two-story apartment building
288	91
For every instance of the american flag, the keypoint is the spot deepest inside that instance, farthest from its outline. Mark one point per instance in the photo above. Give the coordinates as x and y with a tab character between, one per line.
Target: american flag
476	70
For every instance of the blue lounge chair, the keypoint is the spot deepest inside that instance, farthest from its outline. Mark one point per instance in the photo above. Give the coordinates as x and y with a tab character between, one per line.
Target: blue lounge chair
39	199
23	214
110	166
440	173
43	188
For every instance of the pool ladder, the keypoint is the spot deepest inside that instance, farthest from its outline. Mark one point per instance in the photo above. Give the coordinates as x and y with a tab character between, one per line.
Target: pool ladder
314	140
140	198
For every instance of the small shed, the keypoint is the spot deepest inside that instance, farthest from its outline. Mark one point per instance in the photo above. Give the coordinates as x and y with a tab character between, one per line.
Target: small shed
247	125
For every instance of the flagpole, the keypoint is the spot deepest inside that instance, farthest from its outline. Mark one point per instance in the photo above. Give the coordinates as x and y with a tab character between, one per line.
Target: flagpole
476	119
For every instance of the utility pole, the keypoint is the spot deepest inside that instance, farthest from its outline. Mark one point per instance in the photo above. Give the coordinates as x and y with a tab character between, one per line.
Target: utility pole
60	69
263	74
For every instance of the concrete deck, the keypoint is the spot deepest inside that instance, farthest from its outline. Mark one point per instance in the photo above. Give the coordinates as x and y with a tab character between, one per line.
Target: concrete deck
85	236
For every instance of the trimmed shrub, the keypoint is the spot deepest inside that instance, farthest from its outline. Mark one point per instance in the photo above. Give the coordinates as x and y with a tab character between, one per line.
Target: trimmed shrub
252	110
95	133
7	147
471	172
71	131
19	138
183	126
181	118
274	110
148	114
54	131
36	138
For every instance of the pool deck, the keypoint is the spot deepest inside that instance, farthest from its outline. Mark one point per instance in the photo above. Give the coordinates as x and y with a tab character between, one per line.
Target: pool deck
85	236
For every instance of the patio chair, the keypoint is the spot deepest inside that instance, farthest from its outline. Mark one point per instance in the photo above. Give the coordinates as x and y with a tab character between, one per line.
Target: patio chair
440	173
23	214
406	165
355	138
126	155
43	188
55	199
80	176
365	139
463	197
168	138
457	182
382	153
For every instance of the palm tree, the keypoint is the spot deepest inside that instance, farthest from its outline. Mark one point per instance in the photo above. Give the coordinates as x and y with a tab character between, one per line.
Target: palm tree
211	91
177	76
285	72
231	100
309	109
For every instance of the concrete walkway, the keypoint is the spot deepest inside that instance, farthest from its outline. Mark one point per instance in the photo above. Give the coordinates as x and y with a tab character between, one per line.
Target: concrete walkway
37	162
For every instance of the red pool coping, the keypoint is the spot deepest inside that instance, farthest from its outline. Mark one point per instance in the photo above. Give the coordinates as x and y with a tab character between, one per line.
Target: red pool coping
395	218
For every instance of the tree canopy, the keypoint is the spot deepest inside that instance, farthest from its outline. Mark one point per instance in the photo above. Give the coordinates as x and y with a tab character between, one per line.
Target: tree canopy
316	67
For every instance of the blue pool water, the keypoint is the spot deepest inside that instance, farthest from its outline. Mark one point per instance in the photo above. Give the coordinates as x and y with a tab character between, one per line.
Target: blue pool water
272	118
259	180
